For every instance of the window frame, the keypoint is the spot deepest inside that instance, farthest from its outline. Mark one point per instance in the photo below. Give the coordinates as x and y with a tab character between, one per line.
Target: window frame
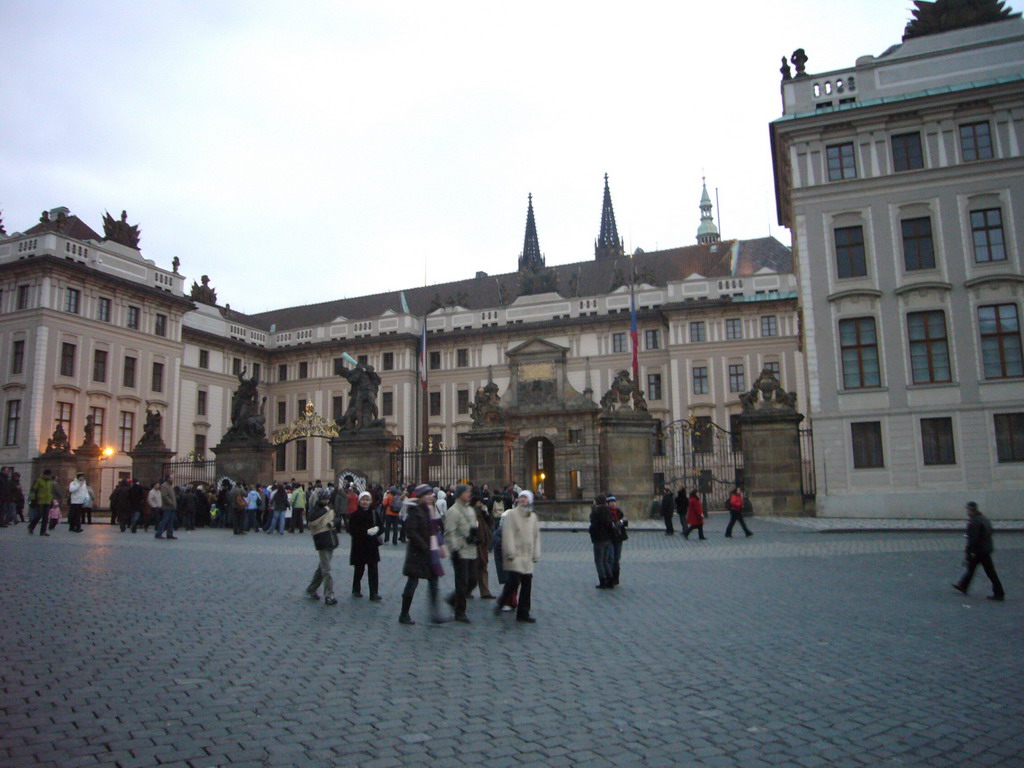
868	447
387	403
201	402
126	431
906	154
937	445
133	368
387	361
12	422
919	245
156	378
133	318
652	334
772	326
68	355
434	403
23	298
733	328
434	360
844	166
104	309
700	326
204	359
859	345
99	365
73	301
462	401
977	149
1009	440
700	380
17	357
851	263
930	345
1003	339
654	386
737	378
618	342
160	324
303	369
986	229
462	357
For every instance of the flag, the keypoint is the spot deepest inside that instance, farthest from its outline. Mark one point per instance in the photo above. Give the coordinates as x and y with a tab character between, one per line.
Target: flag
405	304
633	338
423	356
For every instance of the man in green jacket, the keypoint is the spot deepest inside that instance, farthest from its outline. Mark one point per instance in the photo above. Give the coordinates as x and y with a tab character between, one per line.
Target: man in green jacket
44	491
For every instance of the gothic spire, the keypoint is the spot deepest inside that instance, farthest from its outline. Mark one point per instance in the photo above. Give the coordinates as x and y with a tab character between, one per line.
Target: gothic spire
608	244
531	257
707	232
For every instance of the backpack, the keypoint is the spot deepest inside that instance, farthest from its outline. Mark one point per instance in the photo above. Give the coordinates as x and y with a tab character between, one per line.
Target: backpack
240	502
396	503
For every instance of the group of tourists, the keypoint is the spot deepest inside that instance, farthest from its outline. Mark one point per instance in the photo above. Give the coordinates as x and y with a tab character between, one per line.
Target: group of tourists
690	508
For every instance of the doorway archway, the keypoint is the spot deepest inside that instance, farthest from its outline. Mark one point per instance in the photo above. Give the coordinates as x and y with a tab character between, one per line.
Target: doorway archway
540	467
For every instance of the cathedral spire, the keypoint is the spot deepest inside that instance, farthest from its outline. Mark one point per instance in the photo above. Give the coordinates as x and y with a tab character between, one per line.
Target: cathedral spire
608	244
707	232
531	257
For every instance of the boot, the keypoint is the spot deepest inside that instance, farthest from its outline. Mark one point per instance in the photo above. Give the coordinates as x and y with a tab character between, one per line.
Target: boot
462	617
404	617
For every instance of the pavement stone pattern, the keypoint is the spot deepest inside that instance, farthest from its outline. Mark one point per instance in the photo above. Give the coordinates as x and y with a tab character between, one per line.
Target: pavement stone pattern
785	649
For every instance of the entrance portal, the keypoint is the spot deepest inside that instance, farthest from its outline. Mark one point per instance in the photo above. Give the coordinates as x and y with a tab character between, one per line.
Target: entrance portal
540	463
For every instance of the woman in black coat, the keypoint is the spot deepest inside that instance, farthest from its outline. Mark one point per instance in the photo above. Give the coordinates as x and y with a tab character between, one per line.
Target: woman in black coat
421	524
365	552
682	504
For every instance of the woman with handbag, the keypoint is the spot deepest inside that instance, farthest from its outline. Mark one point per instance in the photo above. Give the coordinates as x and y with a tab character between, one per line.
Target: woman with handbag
325	540
365	553
424	551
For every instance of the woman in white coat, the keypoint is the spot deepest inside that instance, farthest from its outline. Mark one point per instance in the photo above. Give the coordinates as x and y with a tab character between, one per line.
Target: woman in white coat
520	549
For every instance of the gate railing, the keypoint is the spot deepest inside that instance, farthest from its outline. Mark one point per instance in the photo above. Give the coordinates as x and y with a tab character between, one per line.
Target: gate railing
191	472
437	467
701	456
808	480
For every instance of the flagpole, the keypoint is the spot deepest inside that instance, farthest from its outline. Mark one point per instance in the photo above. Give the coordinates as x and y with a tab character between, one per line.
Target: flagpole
632	321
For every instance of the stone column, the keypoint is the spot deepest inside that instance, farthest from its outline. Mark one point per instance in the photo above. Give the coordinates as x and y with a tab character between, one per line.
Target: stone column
627	460
246	460
490	455
771	462
366	453
148	463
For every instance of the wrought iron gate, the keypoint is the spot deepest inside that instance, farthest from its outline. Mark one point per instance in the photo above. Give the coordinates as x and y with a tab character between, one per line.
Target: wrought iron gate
438	467
192	472
699	455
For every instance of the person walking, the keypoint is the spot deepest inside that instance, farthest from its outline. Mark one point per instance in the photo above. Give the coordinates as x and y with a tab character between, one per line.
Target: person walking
78	495
484	523
168	510
978	551
54	514
392	511
278	506
44	491
460	533
736	513
364	554
668	508
602	532
423	553
621	534
189	507
520	546
298	501
120	511
694	517
682	505
153	502
325	541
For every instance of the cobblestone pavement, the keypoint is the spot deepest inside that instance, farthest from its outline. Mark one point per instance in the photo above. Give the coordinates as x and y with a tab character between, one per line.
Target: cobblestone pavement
786	649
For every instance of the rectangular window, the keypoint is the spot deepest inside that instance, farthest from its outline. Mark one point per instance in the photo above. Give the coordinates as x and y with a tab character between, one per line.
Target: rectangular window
65	417
388	361
201	402
339	364
387	403
654	386
859	347
435	403
280	457
1000	341
302	407
72	300
256	371
618	342
867	445
363	360
736	432
1009	437
769	325
282	411
929	351
236	366
300	455
906	152
67	359
18	357
652	339
126	431
435	360
13	422
282	372
575	437
734	328
337	408
98	418
463	401
737	378
23	296
99	365
160	325
850	259
204	358
702	437
987	235
937	441
133	318
841	163
976	141
199	447
775	368
158	377
128	377
700	380
918	248
103	310
698	331
462	358
303	370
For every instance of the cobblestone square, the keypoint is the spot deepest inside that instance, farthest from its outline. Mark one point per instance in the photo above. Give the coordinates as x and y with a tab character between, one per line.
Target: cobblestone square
790	648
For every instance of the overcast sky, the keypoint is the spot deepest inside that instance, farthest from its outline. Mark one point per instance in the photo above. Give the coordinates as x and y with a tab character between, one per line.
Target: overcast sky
304	151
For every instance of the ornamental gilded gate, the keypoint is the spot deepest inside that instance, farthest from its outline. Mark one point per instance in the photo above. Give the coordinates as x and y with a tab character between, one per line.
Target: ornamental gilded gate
699	454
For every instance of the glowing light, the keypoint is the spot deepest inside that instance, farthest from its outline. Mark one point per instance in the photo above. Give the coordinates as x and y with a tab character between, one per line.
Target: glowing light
108	452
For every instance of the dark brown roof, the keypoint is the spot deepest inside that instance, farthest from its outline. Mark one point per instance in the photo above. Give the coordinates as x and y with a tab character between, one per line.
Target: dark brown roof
72	227
582	279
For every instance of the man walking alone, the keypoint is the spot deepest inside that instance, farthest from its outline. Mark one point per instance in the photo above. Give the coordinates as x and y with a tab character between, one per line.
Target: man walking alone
979	552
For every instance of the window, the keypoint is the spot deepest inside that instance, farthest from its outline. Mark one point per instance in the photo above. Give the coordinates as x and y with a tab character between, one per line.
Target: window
133	318
282	372
18	357
698	331
975	141
282	411
363	360
435	360
204	358
652	339
987	234
575	437
300	455
906	152
65	416
702	437
462	358
199	447
1009	437
618	342
337	408
302	407
769	325
12	422
859	347
463	401
918	248
158	377
841	163
128	376
775	368
280	456
67	359
929	351
850	261
23	296
737	378
435	403
867	444
339	364
736	432
236	366
201	402
99	365
256	371
388	361
700	380
387	403
734	328
659	449
160	325
72	300
1000	341
126	431
654	386
937	441
98	417
103	310
303	370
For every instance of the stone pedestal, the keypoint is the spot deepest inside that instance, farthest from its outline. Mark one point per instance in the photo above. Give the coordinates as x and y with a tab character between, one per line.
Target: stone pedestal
771	462
490	455
366	453
148	464
627	460
63	467
247	460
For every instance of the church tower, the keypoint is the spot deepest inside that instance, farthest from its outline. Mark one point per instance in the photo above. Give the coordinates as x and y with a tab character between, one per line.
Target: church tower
707	232
530	258
608	244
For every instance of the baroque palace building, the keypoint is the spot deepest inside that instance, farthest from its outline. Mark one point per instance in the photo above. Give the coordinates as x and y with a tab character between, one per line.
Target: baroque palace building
89	326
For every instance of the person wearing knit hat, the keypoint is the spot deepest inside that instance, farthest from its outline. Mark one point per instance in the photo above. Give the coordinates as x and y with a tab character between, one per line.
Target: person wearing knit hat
364	554
520	545
424	537
460	533
325	540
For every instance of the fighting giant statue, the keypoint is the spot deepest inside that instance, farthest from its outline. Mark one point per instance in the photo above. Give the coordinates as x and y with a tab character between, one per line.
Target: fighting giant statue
247	418
362	410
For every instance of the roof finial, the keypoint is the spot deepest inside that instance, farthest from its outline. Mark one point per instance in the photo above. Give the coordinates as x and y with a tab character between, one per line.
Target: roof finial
531	257
707	232
608	244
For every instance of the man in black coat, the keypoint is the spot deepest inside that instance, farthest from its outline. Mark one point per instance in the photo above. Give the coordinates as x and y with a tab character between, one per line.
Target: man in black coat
602	534
668	508
979	552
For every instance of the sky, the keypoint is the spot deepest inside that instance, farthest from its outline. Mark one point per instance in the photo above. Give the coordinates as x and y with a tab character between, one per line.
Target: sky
305	151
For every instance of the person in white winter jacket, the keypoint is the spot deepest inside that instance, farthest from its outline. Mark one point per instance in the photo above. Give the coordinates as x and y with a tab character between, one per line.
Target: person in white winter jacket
520	550
78	495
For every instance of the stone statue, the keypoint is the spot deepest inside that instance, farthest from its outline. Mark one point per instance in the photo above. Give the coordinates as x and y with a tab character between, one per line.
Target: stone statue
621	393
151	436
90	431
767	394
486	406
247	418
175	263
799	59
203	293
59	443
121	231
362	411
787	73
